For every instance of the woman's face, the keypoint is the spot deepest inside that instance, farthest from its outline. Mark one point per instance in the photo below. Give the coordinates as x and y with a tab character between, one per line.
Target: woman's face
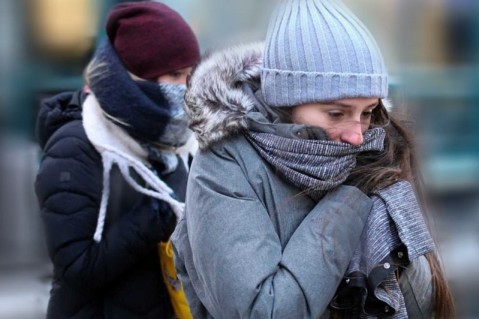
343	120
175	77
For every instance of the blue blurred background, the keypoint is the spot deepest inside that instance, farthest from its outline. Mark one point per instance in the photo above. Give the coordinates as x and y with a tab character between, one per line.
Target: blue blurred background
431	48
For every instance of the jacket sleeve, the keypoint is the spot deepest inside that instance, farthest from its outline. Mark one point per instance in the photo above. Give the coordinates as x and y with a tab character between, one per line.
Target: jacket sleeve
69	188
235	261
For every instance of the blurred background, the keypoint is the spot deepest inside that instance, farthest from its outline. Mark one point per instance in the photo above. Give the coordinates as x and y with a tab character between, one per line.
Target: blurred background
431	48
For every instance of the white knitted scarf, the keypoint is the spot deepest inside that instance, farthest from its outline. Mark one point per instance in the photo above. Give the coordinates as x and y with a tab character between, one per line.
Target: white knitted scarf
117	147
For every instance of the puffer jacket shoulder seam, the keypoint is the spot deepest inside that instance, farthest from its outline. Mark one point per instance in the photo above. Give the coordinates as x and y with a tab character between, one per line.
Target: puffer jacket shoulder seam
90	198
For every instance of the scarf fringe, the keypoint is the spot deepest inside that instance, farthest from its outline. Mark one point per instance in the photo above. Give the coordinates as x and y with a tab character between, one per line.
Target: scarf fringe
117	147
107	165
161	190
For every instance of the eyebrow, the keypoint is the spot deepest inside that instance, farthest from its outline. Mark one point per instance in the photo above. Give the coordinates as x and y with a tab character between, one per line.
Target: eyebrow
349	105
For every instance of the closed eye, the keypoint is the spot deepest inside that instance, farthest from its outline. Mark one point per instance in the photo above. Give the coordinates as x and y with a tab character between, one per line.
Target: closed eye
335	115
176	74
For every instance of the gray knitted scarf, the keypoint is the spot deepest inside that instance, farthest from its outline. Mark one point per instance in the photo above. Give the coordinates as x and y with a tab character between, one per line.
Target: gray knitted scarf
395	232
394	235
314	166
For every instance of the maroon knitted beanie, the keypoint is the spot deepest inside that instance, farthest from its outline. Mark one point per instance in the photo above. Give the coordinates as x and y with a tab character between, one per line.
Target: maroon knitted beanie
151	39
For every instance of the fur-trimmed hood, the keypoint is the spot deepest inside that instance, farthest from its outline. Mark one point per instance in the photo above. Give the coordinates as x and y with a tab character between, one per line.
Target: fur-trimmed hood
215	100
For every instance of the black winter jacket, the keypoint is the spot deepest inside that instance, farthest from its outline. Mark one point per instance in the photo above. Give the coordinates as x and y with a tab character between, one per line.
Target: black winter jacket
119	277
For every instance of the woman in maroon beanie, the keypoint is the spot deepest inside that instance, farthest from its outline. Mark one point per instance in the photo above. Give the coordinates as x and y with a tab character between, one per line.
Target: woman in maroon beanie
112	181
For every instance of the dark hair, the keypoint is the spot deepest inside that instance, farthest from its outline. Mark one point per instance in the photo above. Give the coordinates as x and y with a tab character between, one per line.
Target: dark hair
376	170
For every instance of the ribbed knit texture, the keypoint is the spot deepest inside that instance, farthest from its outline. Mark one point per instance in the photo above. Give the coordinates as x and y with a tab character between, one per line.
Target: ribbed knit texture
318	50
314	166
395	220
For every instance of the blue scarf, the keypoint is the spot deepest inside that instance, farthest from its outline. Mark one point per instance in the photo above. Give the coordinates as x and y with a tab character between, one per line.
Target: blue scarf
138	107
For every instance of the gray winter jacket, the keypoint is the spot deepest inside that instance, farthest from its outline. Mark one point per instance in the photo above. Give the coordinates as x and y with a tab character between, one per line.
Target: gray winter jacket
250	244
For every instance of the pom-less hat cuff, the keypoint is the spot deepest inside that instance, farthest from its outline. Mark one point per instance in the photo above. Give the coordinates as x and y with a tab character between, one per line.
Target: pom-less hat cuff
282	88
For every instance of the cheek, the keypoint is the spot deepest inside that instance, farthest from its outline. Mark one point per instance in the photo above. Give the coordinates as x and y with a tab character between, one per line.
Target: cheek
365	126
318	119
304	116
184	79
172	79
178	80
334	133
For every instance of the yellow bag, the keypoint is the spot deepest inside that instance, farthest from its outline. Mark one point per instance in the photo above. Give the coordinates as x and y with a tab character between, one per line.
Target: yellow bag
173	284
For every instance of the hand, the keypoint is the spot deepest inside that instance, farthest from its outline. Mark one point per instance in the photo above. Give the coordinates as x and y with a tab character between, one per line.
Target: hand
165	216
156	219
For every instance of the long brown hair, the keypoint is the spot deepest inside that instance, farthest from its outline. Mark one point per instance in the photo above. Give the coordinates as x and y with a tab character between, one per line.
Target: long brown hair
398	161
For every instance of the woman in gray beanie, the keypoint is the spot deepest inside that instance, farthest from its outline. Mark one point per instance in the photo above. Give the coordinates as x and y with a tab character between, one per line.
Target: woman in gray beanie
303	201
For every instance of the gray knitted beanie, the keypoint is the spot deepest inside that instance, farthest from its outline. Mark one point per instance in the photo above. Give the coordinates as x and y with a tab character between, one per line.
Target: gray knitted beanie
318	50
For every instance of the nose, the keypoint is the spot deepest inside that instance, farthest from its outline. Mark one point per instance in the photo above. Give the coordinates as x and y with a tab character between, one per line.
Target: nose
353	135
